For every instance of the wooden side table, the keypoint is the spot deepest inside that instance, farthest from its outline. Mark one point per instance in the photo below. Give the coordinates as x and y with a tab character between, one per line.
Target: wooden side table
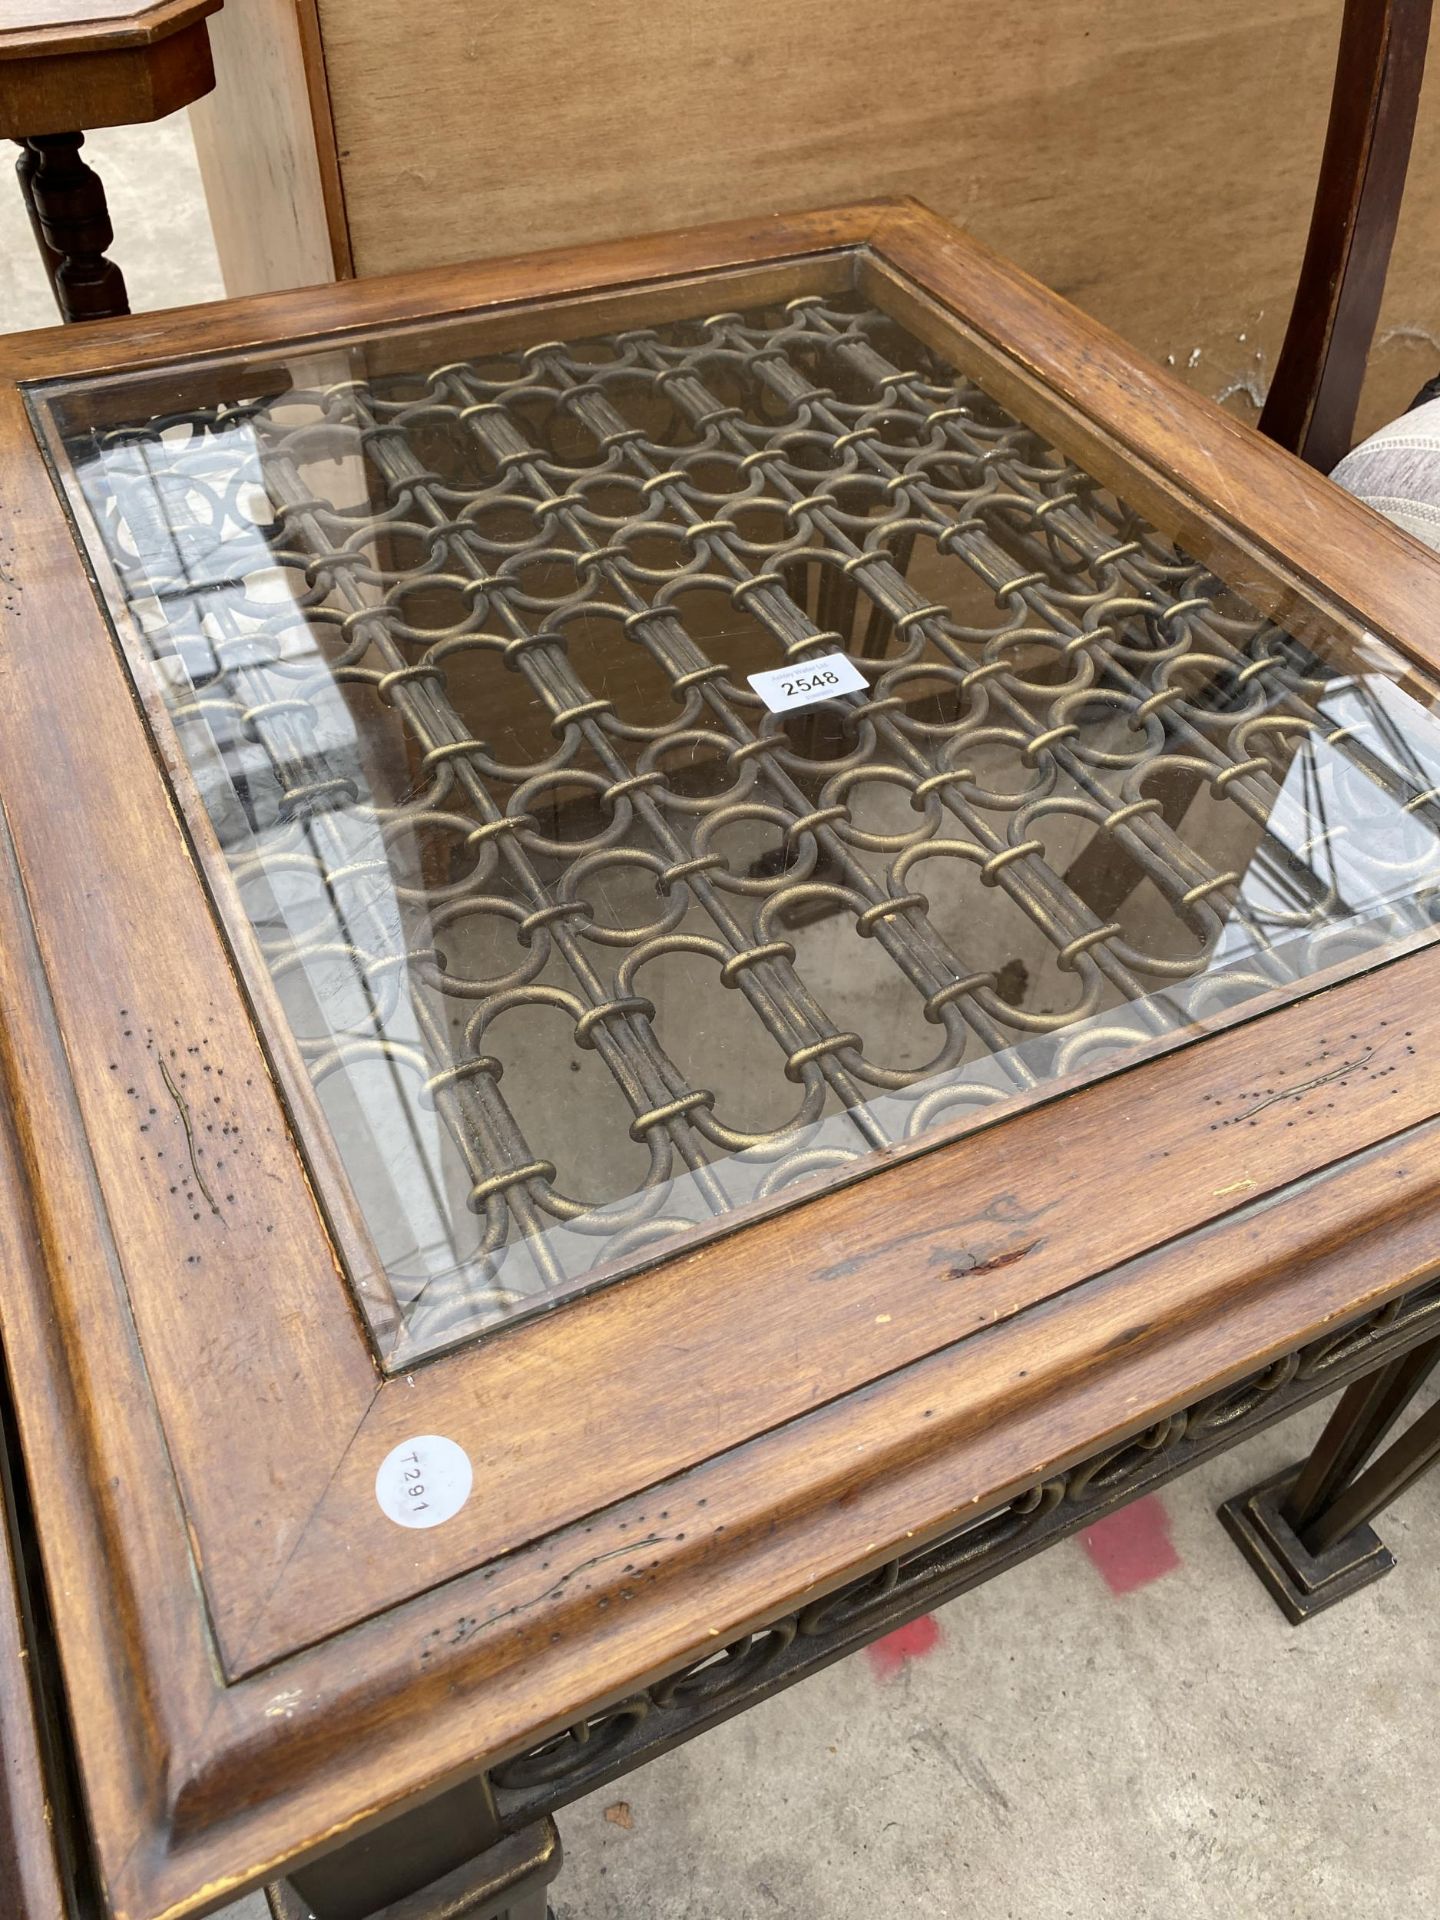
696	939
72	64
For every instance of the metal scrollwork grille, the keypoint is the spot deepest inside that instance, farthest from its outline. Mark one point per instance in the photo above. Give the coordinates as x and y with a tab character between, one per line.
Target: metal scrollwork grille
585	948
743	1672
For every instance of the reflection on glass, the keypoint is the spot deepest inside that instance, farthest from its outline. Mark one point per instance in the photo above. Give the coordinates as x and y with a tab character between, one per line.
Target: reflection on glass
585	949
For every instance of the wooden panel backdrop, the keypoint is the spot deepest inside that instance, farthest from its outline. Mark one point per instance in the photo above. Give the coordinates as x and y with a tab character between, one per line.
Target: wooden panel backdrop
1155	164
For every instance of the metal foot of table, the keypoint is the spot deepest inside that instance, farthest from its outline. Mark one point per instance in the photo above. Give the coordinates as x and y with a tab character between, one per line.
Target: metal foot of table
425	1866
1306	1530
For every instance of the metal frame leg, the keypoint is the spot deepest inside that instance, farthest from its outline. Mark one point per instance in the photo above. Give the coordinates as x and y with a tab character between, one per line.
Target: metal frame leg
1306	1530
445	1860
66	203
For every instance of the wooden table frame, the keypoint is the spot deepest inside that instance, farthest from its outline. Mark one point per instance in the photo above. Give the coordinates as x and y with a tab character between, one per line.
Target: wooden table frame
254	1684
42	1848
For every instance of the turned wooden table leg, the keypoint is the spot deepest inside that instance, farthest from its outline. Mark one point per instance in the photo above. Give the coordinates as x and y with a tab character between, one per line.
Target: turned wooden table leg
25	172
67	209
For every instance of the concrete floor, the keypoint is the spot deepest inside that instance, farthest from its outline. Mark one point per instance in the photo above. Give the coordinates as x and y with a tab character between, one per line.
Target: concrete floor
1058	1749
1061	1751
1064	1750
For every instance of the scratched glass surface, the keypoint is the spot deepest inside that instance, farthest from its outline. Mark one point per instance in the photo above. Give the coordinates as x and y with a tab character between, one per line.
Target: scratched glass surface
583	948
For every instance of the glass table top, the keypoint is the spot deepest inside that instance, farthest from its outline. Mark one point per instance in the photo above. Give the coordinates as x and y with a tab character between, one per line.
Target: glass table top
584	946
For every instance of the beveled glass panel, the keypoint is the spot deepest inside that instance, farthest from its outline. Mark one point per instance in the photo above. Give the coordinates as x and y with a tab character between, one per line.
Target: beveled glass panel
583	947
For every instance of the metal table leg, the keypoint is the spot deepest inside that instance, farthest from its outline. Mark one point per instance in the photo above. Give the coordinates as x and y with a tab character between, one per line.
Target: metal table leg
445	1860
1306	1530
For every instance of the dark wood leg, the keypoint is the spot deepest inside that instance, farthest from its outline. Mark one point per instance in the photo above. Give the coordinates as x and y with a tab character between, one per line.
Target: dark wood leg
445	1860
1306	1531
1311	406
72	225
25	173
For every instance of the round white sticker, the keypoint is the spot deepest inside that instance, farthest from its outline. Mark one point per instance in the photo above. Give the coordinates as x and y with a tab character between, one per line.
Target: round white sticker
424	1482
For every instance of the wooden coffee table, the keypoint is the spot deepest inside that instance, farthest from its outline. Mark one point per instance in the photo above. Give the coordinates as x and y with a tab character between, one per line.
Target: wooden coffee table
696	940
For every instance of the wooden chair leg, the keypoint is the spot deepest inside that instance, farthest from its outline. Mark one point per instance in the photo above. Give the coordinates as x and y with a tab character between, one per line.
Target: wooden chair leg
1313	397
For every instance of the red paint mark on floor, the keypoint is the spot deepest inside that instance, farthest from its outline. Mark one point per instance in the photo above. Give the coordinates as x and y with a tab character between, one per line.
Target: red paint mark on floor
1132	1547
898	1649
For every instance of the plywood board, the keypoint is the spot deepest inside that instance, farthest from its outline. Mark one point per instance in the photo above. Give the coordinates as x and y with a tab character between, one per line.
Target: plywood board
265	146
1154	164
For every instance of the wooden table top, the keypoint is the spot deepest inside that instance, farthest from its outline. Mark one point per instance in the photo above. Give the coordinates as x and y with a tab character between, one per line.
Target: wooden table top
669	916
67	66
35	29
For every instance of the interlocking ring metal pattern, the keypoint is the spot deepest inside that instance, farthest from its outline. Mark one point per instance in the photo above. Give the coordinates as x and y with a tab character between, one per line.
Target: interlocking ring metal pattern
459	662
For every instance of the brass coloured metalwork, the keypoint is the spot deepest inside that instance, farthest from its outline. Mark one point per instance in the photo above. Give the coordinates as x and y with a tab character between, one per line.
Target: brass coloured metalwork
1306	1530
628	1732
459	660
